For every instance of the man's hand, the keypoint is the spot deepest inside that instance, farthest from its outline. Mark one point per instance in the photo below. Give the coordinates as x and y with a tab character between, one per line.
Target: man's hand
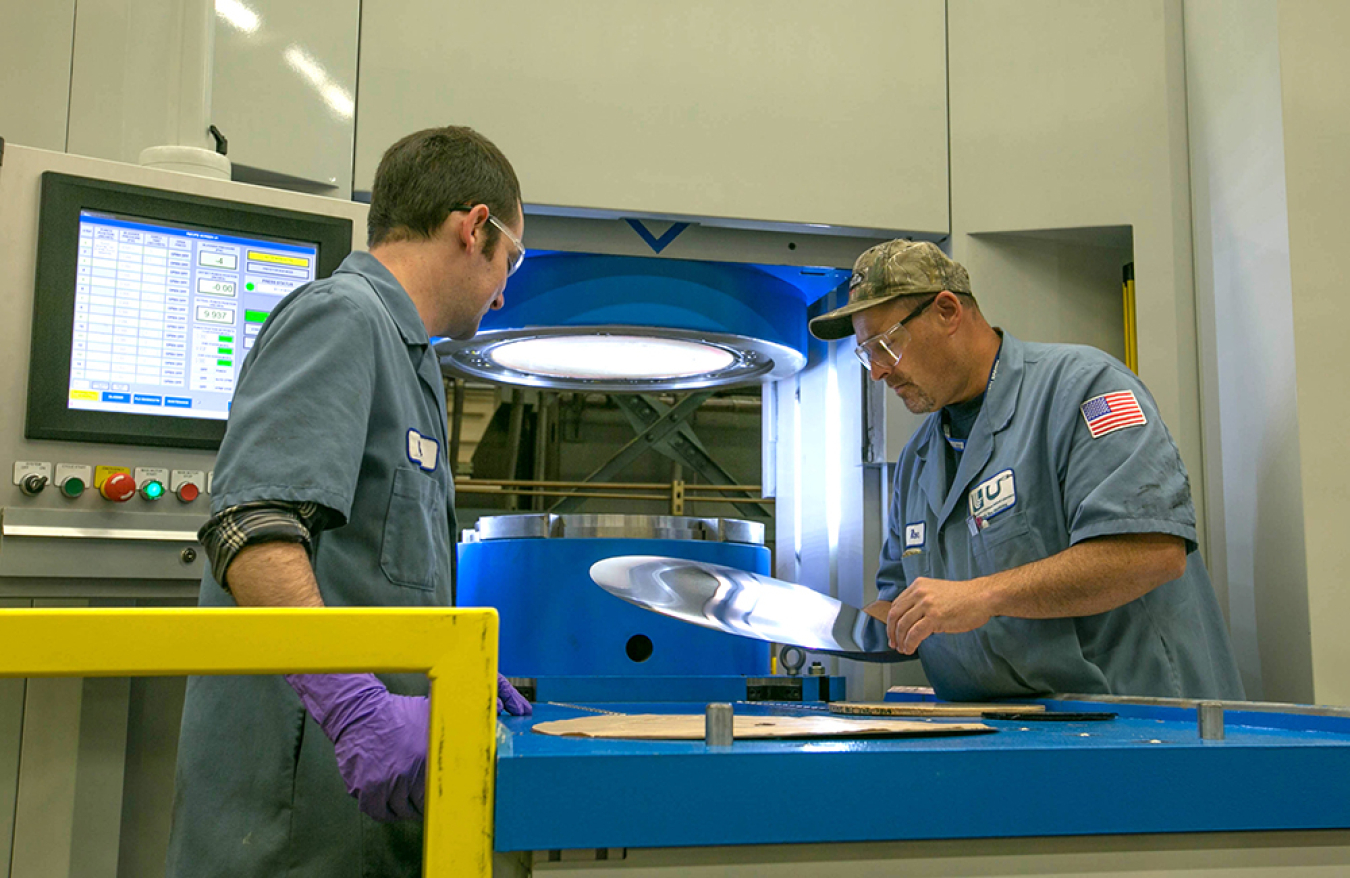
510	701
380	739
935	606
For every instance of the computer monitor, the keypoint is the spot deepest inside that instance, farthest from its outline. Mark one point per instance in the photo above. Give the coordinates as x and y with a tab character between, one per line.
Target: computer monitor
147	301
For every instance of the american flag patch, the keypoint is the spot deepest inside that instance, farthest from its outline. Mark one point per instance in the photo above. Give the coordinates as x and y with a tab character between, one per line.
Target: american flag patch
1111	412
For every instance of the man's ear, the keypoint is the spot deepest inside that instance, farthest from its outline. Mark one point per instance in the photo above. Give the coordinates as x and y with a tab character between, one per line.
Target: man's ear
948	305
468	224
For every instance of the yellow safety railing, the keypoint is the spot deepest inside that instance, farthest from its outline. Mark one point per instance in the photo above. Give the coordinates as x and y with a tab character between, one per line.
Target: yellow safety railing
458	646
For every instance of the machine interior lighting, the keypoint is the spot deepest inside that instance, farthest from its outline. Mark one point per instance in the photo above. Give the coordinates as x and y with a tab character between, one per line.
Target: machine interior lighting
612	356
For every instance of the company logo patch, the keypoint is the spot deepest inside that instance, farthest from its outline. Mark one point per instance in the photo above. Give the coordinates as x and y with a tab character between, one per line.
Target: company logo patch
993	496
914	534
423	450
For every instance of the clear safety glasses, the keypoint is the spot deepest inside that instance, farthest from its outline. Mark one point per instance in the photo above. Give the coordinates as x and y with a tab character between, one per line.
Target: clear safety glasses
885	348
516	242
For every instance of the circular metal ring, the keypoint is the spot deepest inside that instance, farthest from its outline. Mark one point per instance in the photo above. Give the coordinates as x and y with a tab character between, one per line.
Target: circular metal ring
752	360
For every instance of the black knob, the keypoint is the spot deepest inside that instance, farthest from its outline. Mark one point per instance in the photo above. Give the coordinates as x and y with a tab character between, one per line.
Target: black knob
32	484
188	555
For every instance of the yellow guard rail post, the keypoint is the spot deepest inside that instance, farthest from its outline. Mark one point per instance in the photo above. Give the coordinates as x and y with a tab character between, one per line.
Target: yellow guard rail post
454	647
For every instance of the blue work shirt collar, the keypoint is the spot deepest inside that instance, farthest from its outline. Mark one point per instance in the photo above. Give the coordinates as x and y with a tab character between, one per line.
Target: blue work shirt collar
1000	403
391	293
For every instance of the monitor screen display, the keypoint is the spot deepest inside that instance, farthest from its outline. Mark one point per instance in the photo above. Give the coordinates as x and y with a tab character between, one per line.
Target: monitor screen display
164	313
147	301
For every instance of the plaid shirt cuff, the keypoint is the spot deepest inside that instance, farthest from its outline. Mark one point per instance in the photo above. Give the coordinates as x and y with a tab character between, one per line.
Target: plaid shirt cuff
229	531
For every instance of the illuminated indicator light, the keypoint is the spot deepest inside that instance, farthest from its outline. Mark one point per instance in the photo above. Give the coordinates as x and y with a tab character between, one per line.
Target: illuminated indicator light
152	490
255	316
249	285
224	362
612	356
256	256
225	350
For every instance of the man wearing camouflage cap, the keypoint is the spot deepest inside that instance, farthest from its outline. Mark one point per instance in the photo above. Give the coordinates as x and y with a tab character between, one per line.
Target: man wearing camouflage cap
1041	535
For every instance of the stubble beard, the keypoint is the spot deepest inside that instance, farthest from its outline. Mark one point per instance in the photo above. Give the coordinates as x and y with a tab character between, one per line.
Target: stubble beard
916	400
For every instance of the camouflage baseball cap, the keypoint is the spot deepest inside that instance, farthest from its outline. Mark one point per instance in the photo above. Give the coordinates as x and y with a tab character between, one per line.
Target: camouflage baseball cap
896	268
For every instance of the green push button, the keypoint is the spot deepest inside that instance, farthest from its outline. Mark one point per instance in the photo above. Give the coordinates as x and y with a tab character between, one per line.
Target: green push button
224	362
72	487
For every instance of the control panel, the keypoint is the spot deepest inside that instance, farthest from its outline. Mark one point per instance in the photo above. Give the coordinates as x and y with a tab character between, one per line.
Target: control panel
113	483
104	498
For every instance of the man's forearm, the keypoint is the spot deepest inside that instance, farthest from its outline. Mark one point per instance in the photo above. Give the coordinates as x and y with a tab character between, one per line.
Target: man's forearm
274	574
1089	578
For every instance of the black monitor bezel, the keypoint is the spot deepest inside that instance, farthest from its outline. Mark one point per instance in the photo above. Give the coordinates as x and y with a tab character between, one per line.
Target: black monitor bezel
63	196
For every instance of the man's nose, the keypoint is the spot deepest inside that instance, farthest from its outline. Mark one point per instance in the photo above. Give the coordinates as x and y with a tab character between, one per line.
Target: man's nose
498	302
879	370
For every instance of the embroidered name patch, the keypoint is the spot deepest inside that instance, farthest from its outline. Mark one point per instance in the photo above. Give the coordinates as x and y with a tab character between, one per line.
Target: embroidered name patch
993	496
1111	412
423	450
914	535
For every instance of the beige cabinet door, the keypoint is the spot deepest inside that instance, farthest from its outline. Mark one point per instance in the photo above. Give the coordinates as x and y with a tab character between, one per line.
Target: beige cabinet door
750	111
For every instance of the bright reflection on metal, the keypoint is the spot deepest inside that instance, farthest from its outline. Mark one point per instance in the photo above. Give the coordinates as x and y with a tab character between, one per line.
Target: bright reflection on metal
612	356
238	16
744	603
335	96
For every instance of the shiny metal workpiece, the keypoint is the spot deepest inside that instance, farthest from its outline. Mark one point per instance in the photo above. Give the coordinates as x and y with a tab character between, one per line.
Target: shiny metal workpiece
744	603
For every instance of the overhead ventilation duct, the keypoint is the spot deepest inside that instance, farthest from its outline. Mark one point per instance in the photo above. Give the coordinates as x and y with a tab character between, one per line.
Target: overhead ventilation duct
575	321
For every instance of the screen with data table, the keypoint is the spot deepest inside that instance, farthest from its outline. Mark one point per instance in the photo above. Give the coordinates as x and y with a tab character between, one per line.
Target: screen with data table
147	301
165	314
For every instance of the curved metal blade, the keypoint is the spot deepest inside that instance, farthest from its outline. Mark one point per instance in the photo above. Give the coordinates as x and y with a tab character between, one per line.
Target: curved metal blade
744	603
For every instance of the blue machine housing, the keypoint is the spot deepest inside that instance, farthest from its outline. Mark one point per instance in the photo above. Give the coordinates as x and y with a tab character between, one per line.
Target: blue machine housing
556	622
581	289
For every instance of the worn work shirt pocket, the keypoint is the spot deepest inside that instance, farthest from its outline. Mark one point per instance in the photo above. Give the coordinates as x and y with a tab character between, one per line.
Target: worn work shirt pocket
416	545
1007	541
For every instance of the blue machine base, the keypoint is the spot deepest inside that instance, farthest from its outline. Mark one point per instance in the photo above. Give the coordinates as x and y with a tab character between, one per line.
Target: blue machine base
1146	771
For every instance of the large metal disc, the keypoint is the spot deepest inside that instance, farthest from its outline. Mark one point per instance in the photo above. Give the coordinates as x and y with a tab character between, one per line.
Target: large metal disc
744	603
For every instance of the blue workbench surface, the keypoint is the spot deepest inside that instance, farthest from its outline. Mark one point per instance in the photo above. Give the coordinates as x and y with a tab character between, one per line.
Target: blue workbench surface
1146	771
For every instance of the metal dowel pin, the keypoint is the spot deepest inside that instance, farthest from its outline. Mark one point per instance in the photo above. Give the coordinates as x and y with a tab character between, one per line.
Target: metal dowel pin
717	728
1210	717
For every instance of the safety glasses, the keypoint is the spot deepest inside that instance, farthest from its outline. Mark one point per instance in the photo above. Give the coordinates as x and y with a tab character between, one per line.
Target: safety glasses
885	348
516	242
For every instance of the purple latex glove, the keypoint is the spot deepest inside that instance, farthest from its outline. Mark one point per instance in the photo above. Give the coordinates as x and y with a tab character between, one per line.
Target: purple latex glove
380	740
511	701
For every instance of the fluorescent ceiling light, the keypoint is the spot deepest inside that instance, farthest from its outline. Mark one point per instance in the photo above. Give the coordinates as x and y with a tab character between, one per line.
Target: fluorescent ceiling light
335	96
238	15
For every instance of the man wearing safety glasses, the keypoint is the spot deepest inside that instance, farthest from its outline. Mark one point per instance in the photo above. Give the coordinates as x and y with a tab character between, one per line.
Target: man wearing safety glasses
333	488
1041	535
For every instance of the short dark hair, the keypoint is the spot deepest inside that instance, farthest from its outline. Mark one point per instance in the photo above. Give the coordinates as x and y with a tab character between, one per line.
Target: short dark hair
422	177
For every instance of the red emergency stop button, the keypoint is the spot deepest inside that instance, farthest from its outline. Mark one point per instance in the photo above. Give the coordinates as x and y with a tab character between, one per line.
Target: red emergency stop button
187	492
118	487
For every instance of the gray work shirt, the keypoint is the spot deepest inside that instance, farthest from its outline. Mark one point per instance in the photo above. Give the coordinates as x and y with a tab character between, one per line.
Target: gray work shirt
1033	481
339	402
